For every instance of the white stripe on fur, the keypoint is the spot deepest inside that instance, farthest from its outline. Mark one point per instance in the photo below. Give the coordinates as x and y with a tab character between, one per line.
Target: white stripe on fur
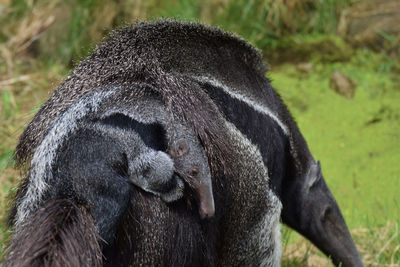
252	103
45	153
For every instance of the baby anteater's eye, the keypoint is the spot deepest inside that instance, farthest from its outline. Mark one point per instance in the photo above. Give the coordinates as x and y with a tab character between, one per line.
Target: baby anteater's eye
194	171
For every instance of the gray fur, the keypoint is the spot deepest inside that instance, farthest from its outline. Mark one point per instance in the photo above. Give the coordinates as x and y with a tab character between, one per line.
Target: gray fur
147	49
163	56
148	169
193	165
244	96
40	170
308	205
251	229
150	110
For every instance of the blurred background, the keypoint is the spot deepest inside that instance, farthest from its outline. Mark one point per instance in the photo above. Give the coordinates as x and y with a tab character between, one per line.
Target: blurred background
336	64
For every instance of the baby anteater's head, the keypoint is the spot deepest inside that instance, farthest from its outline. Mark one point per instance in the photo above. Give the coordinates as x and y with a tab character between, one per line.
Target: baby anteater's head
191	164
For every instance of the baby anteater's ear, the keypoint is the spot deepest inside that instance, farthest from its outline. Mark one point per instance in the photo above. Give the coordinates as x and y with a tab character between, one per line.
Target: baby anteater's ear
153	171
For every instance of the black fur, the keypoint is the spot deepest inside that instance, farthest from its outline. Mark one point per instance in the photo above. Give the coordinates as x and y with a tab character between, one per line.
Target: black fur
168	56
157	140
88	171
153	233
261	130
91	169
59	234
308	205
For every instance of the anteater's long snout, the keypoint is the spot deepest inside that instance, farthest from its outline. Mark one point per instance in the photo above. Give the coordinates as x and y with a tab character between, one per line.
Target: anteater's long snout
311	209
206	200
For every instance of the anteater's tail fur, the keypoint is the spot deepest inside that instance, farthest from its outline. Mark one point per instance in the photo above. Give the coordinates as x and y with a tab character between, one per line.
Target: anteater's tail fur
59	234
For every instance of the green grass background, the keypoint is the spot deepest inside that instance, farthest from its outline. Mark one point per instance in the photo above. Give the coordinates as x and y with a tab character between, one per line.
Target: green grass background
357	140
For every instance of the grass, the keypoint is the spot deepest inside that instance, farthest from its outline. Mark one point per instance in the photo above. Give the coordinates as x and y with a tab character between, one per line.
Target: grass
358	143
378	246
357	140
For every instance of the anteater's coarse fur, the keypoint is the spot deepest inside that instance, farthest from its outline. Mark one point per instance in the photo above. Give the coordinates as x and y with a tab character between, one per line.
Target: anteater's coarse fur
161	54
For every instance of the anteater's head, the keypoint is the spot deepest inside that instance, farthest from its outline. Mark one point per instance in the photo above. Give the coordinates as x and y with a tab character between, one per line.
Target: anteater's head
312	211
